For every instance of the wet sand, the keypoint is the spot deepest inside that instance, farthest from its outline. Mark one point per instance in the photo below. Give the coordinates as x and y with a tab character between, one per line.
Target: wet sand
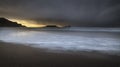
15	55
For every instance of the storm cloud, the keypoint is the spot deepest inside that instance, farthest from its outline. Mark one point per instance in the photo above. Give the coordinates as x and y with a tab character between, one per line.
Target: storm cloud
71	12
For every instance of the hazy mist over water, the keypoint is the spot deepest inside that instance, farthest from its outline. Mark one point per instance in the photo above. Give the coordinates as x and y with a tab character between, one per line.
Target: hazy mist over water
104	40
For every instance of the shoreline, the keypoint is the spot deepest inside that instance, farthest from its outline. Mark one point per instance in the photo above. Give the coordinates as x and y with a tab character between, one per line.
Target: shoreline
18	54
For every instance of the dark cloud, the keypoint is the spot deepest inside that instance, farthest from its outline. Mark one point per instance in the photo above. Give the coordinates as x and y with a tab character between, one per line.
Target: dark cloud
73	12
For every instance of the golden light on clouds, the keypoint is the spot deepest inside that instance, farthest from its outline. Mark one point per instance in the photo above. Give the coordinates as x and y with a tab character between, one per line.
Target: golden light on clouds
27	23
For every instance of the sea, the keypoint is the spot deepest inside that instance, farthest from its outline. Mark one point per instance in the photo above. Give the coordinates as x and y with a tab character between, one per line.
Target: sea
103	40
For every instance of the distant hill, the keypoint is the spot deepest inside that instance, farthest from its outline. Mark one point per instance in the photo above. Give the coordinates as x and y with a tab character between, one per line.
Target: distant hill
6	23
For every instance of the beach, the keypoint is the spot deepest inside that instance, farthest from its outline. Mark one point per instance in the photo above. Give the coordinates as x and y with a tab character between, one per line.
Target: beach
32	50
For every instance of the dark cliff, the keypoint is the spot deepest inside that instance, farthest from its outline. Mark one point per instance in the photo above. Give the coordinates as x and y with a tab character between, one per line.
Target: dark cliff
6	23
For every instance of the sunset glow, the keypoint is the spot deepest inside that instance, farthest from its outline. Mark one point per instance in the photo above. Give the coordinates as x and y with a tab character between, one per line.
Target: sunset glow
27	23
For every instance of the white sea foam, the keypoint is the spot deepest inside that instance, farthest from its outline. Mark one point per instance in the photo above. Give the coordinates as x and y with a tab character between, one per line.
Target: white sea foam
108	42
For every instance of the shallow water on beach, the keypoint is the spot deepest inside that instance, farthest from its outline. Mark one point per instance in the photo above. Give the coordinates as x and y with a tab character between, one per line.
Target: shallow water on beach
105	40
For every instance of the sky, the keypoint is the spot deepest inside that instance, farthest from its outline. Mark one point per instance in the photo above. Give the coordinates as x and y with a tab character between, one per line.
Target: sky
62	12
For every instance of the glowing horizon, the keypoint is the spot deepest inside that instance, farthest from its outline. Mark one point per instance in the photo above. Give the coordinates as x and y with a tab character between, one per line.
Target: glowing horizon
27	23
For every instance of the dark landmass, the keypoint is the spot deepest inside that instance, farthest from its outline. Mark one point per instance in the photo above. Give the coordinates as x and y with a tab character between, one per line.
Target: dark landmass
6	23
17	55
51	26
56	26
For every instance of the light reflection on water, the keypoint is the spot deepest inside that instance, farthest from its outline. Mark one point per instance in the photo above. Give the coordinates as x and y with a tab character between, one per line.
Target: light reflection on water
64	40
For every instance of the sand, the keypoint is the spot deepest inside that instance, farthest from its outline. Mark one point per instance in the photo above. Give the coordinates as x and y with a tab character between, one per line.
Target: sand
18	55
